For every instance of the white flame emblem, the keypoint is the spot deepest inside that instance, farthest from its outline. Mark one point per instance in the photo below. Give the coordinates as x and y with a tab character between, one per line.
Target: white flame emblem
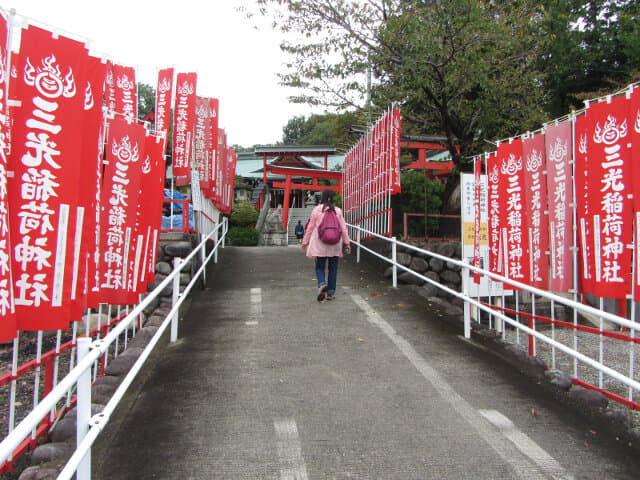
164	86
124	83
203	111
611	133
494	175
637	125
582	146
48	80
124	151
534	162
558	150
185	89
146	167
88	97
512	166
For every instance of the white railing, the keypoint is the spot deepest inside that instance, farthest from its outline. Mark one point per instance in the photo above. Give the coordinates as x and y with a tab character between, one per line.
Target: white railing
624	375
90	352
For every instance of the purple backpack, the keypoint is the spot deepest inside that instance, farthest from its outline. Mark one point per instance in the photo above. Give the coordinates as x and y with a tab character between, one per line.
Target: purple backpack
329	229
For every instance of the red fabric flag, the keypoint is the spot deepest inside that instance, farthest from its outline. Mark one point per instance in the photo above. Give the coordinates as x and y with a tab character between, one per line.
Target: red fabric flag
155	150
583	207
609	189
164	98
396	188
110	89
7	311
477	171
184	114
496	264
558	143
536	201
126	92
119	197
634	117
201	162
220	169
513	211
214	105
91	175
45	161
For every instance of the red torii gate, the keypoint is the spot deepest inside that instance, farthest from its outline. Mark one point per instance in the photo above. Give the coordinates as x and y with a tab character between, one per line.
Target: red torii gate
290	155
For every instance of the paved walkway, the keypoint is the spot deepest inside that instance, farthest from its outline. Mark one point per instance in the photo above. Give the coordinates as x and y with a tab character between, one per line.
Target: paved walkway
266	383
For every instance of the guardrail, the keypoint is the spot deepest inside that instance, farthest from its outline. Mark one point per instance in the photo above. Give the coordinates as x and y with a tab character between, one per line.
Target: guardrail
621	383
89	352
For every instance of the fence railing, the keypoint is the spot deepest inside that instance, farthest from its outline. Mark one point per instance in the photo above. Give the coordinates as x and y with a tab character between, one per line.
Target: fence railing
598	359
91	358
182	212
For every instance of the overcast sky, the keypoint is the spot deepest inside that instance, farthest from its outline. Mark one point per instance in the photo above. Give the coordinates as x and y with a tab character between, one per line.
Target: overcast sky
237	60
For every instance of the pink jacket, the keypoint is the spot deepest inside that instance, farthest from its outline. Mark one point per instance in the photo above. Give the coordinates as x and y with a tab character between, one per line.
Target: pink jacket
317	248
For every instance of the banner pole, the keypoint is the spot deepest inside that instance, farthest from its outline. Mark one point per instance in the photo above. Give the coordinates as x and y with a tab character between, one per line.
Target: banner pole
575	240
83	410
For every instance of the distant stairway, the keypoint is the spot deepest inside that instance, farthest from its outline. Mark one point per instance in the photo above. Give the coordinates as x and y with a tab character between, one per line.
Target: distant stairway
257	191
295	214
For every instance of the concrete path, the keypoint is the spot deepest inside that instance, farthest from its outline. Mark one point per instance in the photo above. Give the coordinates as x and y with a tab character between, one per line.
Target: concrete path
267	383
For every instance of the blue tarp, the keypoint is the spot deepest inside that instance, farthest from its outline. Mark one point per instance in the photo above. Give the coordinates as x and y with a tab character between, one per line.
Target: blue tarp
175	222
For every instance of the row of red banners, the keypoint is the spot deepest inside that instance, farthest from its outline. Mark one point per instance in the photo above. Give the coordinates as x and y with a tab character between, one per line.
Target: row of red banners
531	190
198	142
371	169
81	183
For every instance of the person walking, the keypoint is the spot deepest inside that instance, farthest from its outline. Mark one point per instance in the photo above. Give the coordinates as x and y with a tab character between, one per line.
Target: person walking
316	246
299	231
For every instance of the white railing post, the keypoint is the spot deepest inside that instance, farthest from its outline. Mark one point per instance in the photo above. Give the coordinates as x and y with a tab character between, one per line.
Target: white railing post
177	265
203	258
224	231
83	409
467	307
358	245
394	260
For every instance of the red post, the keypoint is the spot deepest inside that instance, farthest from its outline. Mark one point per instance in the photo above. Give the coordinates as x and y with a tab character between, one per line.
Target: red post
326	162
285	207
264	168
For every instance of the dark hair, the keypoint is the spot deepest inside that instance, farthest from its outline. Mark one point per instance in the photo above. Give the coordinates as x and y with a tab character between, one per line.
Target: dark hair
327	200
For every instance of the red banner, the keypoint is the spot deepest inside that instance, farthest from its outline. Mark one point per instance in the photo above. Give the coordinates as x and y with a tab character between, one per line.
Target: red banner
560	194
7	314
183	125
164	99
496	264
51	80
212	143
91	175
119	197
126	92
154	192
477	172
583	207
513	210
536	202
634	117
395	149
609	189
201	163
110	89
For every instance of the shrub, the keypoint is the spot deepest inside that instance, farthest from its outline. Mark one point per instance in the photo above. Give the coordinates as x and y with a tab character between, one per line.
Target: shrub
243	214
243	236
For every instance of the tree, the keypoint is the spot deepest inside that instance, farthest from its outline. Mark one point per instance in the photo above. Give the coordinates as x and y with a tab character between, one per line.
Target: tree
593	49
146	99
461	68
327	129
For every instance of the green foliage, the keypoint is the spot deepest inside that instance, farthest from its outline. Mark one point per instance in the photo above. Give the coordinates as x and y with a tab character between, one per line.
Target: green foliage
337	200
243	214
243	236
419	195
327	129
146	99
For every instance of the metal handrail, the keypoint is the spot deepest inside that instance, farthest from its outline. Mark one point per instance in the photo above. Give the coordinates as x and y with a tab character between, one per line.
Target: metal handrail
536	291
94	350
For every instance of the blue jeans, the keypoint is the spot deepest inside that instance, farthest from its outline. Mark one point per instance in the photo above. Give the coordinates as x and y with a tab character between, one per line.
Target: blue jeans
333	273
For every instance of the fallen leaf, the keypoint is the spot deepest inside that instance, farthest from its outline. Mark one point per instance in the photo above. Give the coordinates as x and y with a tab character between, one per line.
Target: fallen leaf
360	339
401	304
373	295
593	432
586	444
533	412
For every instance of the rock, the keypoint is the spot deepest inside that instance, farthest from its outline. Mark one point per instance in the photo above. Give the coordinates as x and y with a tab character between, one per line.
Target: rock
65	429
185	278
448	250
132	352
427	290
622	419
436	265
451	277
406	277
419	265
154	320
453	266
120	366
101	394
532	366
37	473
559	379
108	380
403	259
178	249
388	273
153	305
51	451
163	268
591	400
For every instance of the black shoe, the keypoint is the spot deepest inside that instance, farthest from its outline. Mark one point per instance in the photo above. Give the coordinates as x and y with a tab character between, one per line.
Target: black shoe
322	292
330	296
